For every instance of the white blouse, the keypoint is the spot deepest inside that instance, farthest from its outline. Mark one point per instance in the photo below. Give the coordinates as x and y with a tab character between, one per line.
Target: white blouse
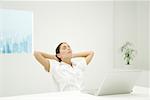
66	76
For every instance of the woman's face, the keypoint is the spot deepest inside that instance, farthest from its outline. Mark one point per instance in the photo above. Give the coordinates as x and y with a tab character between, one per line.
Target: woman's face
65	51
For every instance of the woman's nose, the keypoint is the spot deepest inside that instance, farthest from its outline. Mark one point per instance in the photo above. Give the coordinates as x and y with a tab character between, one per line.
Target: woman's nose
68	48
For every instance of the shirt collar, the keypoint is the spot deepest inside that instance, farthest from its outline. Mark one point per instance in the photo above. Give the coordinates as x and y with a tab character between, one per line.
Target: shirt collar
63	63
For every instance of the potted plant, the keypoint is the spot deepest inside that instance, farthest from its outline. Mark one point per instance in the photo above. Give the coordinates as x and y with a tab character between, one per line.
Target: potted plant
128	52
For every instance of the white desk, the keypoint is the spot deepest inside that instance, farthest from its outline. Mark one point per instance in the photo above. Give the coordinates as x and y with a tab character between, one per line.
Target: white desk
139	93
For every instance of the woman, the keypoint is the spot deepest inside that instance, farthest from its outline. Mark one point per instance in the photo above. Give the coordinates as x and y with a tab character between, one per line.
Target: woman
67	72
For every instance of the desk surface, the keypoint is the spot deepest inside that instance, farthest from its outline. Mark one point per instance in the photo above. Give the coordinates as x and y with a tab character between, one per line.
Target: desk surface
139	93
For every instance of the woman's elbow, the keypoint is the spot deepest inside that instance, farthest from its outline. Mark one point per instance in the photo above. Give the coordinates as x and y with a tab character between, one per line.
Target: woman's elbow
91	55
36	53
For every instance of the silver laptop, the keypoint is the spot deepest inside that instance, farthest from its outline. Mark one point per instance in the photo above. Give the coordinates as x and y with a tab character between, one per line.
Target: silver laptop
116	82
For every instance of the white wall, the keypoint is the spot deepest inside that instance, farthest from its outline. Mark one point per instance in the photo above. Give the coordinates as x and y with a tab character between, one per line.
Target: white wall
84	25
131	24
149	37
21	74
149	30
142	33
143	42
125	28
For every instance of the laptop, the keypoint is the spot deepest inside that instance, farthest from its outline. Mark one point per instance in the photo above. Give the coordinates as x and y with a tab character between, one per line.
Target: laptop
116	82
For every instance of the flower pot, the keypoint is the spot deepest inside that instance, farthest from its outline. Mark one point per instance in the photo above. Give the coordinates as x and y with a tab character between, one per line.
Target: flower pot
128	67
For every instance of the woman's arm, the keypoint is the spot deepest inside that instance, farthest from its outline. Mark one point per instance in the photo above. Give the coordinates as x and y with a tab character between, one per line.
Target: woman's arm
87	54
42	58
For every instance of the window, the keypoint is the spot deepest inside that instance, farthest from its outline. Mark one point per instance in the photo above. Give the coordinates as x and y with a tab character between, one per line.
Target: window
15	31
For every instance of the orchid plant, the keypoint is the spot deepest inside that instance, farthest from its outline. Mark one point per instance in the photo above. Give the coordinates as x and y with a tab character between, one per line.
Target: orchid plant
128	52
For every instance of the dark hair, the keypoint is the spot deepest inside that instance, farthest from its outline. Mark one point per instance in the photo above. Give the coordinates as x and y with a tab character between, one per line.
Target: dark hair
58	51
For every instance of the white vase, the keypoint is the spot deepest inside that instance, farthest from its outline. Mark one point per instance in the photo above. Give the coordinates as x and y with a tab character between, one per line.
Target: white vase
128	67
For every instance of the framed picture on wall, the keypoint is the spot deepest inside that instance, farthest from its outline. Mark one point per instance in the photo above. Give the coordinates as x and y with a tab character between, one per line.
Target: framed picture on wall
16	31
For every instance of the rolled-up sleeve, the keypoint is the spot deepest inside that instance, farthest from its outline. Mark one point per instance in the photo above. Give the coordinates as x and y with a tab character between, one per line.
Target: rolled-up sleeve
53	65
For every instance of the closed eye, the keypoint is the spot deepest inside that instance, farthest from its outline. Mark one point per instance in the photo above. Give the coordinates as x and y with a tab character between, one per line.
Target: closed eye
64	47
